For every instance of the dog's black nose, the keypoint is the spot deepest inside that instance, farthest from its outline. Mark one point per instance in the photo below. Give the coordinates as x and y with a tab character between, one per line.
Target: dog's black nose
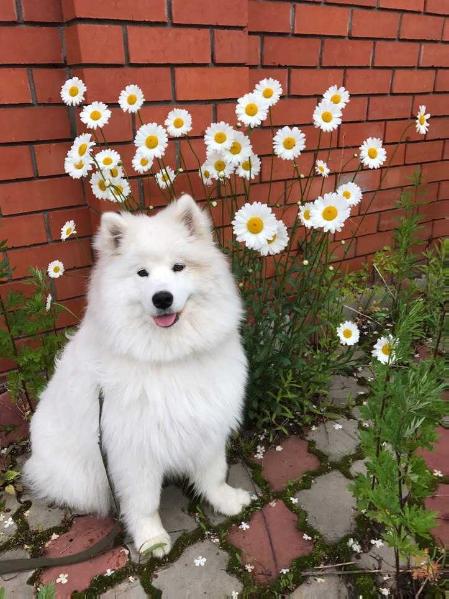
163	299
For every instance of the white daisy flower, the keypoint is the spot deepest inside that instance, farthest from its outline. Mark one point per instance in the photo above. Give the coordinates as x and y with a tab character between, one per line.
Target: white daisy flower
48	302
305	214
289	142
113	174
131	98
100	186
142	161
437	473
273	246
107	159
119	190
55	269
62	579
200	561
348	333
109	572
82	145
240	148
250	167
422	126
205	173
372	154
178	122
270	89
384	349
249	567
327	116
329	212
377	543
321	168
165	177
339	96
219	166
95	115
254	224
244	526
77	167
218	137
251	109
350	192
69	228
72	92
153	137
306	537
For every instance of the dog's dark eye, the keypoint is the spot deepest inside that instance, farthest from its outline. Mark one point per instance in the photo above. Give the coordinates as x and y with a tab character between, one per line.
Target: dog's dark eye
142	272
178	267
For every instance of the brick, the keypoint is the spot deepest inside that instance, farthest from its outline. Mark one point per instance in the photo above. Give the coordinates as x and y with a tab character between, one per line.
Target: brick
30	45
307	82
436	105
396	54
40	194
15	163
14	88
36	123
353	134
204	12
291	51
94	44
414	5
347	53
143	10
44	11
291	111
47	83
442	81
81	216
395	130
421	27
394	107
368	244
434	55
8	10
436	171
321	20
107	83
446	31
377	24
356	110
368	81
426	151
210	83
440	228
163	45
412	81
73	285
230	46
21	231
437	6
50	158
398	176
254	57
357	2
272	17
255	75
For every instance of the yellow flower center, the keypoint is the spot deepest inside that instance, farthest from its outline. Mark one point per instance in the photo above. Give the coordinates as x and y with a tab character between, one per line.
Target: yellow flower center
206	174
306	214
347	195
220	137
73	91
56	269
119	189
267	92
68	231
107	160
336	99
236	148
246	165
82	149
114	172
102	185
289	143
178	122
251	109
144	161
422	119
79	164
272	239
95	115
152	142
329	213
219	165
132	99
386	349
255	225
321	168
347	333
372	153
327	116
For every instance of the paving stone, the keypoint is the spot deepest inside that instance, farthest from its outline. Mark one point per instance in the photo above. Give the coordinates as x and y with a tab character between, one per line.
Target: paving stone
358	467
10	415
130	590
15	584
439	502
184	580
330	587
280	467
330	506
344	389
378	557
85	532
271	542
7	525
438	458
336	443
41	516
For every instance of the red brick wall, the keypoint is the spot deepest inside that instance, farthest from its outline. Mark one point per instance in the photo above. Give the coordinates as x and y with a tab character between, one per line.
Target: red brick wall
392	55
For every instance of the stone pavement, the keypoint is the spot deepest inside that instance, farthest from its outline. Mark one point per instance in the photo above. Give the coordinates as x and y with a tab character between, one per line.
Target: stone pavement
303	516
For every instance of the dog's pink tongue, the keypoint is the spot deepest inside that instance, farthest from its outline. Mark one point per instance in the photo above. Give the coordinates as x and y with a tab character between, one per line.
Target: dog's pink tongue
165	320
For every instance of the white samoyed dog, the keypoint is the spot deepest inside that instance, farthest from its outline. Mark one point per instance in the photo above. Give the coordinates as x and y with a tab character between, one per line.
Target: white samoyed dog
160	337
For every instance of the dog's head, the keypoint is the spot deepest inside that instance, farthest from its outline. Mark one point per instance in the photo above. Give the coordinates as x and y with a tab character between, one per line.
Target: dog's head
161	286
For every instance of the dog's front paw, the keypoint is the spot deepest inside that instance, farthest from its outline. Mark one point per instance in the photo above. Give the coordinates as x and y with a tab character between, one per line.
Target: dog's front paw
230	501
157	546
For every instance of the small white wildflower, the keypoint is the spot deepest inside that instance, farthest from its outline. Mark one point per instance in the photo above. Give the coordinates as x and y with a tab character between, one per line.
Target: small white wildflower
244	526
319	580
279	448
306	537
9	522
284	570
338	426
62	579
131	578
305	262
384	591
200	561
253	497
313	427
377	543
437	473
249	567
48	302
294	500
109	572
273	503
54	536
234	595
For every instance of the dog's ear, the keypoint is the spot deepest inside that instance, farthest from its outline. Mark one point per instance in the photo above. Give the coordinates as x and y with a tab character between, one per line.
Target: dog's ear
192	217
111	232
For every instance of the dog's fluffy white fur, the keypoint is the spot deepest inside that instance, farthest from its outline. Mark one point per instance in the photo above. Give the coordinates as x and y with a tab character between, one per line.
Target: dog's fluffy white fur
172	395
